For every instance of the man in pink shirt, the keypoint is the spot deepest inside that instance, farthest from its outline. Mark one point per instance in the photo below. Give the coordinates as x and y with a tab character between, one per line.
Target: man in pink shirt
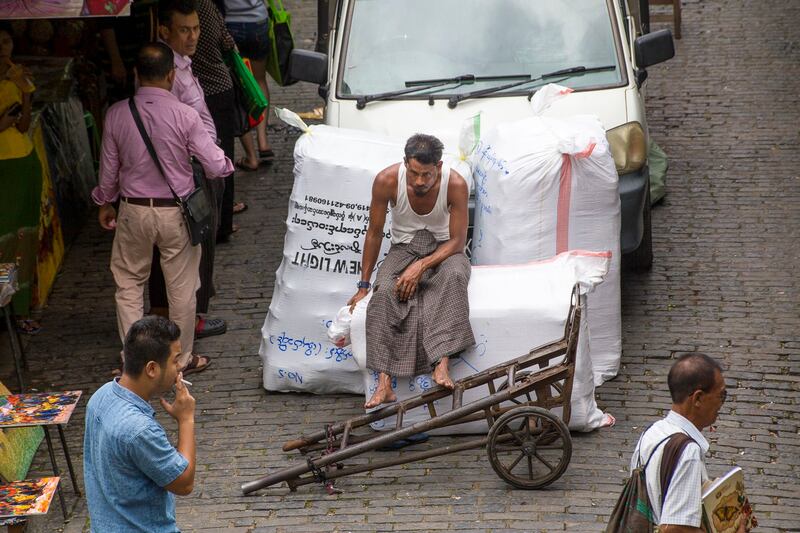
148	214
179	28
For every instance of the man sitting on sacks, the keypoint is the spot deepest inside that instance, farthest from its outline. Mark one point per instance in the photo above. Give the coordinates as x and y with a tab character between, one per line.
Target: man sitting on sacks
418	317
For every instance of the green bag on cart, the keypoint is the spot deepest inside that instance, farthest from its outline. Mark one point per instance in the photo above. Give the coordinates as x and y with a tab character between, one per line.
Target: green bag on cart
281	43
249	95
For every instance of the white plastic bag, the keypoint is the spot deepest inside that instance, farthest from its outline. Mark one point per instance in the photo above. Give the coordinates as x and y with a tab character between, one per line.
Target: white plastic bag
339	330
546	185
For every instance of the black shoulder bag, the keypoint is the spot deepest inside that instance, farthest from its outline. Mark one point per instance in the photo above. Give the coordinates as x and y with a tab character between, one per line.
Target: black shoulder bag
195	206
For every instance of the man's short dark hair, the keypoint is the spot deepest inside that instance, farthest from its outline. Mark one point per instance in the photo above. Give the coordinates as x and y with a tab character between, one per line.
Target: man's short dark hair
167	7
6	27
154	62
426	149
149	339
691	372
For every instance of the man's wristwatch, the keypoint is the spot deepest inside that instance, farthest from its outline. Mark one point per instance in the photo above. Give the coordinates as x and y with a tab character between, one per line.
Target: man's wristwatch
363	285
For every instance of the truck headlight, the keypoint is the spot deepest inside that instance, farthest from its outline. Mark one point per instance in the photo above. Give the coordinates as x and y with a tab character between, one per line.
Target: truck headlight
628	147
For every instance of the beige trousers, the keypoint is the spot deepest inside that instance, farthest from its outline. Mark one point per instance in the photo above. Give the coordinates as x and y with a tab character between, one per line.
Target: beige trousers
139	228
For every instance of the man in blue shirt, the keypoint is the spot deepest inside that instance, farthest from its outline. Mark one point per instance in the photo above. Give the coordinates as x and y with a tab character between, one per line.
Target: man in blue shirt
131	471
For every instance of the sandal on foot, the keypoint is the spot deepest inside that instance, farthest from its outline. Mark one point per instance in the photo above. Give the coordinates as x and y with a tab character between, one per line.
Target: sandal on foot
241	164
402	443
208	327
28	326
266	155
196	364
239	207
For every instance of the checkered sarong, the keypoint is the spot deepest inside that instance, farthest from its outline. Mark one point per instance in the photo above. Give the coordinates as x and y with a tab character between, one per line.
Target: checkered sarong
408	338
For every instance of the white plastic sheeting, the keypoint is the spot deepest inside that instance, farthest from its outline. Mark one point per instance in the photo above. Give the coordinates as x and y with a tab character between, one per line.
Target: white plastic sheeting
328	218
512	310
547	185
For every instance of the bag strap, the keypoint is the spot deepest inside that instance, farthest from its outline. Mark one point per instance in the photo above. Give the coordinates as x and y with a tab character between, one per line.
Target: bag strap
669	460
149	144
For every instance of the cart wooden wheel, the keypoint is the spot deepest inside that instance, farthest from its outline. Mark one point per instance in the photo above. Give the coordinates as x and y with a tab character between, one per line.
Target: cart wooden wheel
529	447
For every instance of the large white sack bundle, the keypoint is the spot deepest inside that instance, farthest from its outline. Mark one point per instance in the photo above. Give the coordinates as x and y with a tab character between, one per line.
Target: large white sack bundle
513	309
546	185
328	217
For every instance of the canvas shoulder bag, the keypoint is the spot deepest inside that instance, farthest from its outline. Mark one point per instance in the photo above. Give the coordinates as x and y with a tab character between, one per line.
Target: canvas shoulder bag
194	206
633	512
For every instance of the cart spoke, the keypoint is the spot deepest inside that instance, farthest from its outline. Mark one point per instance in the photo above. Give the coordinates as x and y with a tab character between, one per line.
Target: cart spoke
543	460
550	447
530	467
516	461
514	434
511	448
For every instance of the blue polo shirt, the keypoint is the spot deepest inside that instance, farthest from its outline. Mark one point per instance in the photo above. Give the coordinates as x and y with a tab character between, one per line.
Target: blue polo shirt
127	461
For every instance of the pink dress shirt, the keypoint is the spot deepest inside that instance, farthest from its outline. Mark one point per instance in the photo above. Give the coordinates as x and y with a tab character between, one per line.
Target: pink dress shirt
188	91
177	132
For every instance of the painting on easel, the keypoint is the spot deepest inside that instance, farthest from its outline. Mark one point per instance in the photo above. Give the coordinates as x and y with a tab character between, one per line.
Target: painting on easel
28	497
37	409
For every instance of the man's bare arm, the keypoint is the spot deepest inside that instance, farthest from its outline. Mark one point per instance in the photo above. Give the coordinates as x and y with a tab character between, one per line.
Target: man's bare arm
382	193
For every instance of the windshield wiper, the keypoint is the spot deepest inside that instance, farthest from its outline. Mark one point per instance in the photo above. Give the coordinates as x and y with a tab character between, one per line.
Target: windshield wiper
567	72
422	85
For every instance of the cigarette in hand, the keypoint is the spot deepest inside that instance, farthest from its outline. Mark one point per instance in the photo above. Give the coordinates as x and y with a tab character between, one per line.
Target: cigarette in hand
186	382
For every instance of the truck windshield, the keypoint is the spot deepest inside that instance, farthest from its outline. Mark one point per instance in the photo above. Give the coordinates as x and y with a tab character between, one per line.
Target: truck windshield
392	41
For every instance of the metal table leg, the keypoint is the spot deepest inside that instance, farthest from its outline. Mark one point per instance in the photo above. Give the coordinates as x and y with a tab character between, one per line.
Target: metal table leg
69	460
55	469
16	346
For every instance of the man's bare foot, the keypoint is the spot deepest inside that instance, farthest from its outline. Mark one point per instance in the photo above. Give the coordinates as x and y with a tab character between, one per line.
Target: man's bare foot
441	375
383	394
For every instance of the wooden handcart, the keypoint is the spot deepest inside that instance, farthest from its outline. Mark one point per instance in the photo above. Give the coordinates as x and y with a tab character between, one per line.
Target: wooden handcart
528	446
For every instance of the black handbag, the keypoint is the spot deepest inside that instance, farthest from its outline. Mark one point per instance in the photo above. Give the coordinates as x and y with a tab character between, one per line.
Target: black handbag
195	206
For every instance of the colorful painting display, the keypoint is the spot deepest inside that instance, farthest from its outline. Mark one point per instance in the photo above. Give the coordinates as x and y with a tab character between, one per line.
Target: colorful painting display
17	447
28	9
26	498
37	409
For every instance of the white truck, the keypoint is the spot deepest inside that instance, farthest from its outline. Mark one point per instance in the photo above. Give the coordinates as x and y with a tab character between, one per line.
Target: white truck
398	67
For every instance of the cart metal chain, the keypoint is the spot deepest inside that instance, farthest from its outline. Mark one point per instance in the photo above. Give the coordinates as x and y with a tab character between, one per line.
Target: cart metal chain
329	483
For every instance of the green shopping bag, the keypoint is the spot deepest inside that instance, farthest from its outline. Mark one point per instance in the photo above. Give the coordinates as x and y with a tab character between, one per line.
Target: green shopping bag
249	94
281	43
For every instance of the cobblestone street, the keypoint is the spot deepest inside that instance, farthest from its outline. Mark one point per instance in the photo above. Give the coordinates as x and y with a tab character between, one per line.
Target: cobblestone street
724	282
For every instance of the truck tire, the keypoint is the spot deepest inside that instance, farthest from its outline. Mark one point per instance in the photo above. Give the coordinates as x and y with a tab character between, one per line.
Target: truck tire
641	259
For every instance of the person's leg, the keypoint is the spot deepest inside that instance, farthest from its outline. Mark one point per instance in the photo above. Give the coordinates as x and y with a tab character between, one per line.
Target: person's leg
260	74
383	393
441	373
157	288
131	256
222	106
446	298
251	159
180	262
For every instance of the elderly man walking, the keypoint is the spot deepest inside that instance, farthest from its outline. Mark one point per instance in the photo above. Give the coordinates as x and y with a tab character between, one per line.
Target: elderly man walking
697	388
148	213
418	317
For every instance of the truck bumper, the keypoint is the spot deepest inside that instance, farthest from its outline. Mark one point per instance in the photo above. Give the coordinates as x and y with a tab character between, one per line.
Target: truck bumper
633	195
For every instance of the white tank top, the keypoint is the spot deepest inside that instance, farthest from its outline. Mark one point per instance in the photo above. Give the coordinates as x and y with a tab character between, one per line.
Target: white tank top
406	222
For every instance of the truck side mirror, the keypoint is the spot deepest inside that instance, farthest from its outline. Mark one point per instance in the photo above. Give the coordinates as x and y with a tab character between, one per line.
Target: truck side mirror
305	65
654	48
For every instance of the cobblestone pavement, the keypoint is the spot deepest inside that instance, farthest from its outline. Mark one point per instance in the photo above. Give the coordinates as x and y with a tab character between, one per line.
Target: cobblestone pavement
725	240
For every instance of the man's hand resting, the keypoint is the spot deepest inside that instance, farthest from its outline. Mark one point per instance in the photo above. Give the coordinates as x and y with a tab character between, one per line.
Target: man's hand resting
108	217
408	281
357	297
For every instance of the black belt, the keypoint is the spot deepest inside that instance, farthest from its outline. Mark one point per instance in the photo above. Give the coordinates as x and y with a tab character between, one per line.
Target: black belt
151	202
